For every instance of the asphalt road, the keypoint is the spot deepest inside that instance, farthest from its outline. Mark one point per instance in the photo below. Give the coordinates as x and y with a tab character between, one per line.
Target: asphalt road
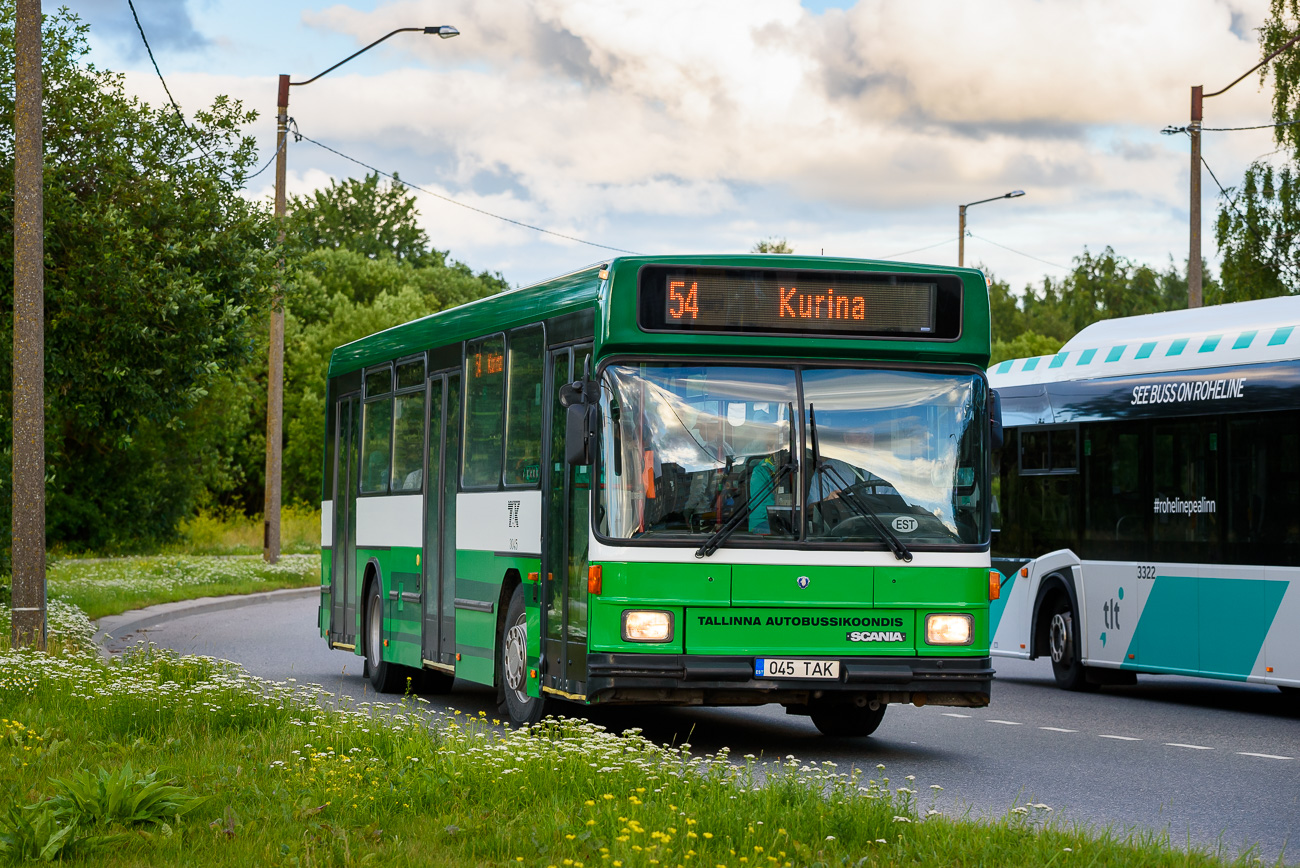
1213	763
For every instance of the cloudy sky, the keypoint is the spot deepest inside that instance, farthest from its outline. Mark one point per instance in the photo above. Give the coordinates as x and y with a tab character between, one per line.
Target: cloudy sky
850	128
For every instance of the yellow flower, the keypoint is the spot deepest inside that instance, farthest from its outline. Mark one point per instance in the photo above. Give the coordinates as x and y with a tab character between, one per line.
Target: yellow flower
590	803
708	834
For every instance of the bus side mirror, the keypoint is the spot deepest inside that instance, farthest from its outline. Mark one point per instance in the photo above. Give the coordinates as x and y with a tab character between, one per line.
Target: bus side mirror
580	434
995	420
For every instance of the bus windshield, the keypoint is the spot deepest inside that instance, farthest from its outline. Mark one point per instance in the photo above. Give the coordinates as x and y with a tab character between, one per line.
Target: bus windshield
689	447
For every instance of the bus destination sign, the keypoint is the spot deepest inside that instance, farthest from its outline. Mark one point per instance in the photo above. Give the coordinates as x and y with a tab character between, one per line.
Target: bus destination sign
851	304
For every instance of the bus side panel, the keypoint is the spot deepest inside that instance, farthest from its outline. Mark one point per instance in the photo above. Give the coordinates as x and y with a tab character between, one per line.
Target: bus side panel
1009	618
1282	647
495	532
402	621
1109	603
326	565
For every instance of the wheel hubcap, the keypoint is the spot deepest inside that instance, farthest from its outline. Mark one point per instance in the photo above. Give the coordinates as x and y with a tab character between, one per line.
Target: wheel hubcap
1059	638
374	631
516	646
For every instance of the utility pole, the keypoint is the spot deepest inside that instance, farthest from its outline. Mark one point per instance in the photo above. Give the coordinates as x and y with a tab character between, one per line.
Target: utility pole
961	236
275	354
961	222
1194	235
1194	277
28	539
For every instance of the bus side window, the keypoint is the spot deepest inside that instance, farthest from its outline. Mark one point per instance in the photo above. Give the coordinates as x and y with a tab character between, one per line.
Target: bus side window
377	430
524	407
484	404
408	428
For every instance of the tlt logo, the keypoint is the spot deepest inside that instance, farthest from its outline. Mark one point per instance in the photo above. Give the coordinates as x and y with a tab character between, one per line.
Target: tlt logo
1111	612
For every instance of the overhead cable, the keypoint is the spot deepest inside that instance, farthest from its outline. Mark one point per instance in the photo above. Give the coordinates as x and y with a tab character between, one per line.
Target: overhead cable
398	180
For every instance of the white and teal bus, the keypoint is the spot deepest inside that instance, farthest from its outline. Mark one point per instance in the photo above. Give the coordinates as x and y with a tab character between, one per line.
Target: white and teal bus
1148	512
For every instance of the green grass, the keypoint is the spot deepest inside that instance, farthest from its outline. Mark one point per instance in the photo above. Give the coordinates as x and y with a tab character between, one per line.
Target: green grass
110	586
211	533
228	770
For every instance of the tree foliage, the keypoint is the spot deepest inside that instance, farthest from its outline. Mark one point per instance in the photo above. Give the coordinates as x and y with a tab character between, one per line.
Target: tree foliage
154	267
772	245
1100	286
1258	227
364	215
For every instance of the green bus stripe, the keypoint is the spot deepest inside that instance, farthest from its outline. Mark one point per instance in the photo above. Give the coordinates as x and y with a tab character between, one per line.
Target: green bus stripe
1280	336
1210	344
1144	351
1176	348
1245	339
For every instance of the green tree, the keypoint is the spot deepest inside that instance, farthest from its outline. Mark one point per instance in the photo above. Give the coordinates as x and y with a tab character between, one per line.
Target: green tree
155	267
372	218
1258	227
772	245
1023	346
341	296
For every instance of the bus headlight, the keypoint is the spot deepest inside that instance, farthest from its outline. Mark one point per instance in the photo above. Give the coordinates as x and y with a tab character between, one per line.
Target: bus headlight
949	629
647	626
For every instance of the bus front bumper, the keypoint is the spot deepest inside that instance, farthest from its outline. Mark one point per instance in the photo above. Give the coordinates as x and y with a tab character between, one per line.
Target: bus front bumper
683	679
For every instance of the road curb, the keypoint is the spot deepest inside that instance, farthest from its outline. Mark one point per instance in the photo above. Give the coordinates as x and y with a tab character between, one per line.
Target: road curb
117	627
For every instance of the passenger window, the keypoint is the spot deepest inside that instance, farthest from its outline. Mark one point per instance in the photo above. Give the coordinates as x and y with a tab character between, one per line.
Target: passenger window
408	441
376	430
524	413
484	405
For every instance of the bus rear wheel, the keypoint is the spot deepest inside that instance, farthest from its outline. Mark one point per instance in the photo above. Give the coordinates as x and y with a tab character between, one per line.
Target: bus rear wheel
385	677
845	719
1063	643
520	708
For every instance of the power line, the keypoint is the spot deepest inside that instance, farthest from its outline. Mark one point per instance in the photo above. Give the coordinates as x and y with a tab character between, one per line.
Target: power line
394	178
145	40
1019	253
268	163
1277	259
1172	130
917	250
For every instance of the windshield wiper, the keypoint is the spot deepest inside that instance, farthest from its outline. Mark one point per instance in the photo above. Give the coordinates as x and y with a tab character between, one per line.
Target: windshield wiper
719	536
851	497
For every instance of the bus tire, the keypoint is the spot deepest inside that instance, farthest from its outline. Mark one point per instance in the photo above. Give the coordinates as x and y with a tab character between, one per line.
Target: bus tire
519	708
385	677
1063	645
845	719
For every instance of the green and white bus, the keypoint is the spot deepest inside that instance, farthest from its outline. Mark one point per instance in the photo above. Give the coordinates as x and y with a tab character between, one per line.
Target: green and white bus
1149	499
679	480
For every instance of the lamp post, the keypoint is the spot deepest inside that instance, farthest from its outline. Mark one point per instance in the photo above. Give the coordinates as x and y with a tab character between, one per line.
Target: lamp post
275	354
961	222
1194	278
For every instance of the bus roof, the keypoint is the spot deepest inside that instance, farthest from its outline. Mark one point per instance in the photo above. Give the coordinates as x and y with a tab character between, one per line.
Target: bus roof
1240	333
582	290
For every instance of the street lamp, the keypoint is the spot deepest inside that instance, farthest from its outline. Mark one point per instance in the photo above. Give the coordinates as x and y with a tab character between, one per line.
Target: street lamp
961	222
1194	132
275	354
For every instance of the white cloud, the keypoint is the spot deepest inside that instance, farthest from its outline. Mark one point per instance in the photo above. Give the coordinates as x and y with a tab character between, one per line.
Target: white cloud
859	131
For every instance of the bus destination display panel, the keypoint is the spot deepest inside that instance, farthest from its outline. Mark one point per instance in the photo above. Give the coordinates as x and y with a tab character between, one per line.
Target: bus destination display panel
849	304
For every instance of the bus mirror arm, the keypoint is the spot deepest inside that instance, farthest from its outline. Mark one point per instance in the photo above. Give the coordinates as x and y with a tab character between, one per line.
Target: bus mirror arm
995	420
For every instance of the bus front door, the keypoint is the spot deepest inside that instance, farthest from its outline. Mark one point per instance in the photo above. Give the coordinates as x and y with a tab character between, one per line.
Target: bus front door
343	575
565	546
439	645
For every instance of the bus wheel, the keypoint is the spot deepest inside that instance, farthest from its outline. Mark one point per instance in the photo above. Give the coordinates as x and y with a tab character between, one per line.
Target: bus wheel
384	677
518	706
844	719
1063	642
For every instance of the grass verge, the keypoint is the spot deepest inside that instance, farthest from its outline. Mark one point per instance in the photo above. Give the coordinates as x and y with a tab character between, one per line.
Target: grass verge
111	586
161	759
